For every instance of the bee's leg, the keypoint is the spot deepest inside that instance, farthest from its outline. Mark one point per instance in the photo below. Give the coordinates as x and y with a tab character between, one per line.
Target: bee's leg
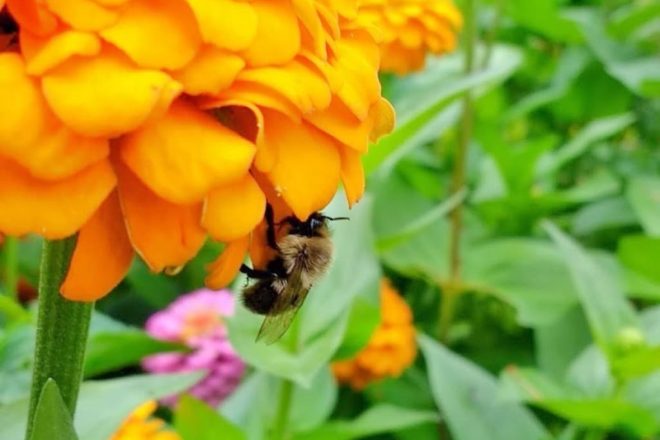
270	232
255	273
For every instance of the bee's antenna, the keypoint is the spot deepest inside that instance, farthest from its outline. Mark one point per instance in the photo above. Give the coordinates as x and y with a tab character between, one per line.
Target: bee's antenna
335	218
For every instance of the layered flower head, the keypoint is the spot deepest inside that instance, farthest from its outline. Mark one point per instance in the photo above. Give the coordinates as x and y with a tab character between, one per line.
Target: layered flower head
197	320
391	349
149	125
140	425
410	29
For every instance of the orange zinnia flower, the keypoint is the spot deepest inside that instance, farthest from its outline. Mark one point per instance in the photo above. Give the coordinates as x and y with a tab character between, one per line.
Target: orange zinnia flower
146	125
141	426
411	29
391	349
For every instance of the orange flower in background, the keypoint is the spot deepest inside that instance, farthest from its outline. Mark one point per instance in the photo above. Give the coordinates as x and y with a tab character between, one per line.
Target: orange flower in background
411	29
145	141
391	349
141	426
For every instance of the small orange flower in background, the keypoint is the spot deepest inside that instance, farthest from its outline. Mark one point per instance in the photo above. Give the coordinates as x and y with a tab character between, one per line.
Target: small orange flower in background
391	349
147	125
141	426
411	29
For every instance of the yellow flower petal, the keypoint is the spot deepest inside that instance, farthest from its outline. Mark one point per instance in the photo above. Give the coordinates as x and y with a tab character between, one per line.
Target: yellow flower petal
156	33
42	54
126	99
102	256
165	235
352	174
55	151
194	154
306	173
224	269
278	34
233	210
52	209
210	72
226	24
83	15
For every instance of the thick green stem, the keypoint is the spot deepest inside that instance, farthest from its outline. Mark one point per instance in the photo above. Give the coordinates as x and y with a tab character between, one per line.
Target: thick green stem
10	246
62	328
458	178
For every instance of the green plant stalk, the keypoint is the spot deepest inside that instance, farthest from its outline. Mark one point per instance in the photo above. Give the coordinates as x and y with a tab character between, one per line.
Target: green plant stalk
448	300
62	328
280	425
11	266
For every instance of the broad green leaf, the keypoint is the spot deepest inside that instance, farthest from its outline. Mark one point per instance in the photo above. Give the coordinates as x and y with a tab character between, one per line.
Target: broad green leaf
640	72
607	310
595	131
322	320
644	195
429	94
16	354
543	16
641	254
613	212
467	396
111	351
52	420
103	405
363	319
605	413
557	343
194	420
379	419
254	403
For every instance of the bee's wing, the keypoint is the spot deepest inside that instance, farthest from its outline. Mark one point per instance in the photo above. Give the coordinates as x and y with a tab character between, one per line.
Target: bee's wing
285	309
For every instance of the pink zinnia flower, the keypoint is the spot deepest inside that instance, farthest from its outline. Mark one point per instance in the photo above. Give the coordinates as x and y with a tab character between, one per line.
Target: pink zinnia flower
197	320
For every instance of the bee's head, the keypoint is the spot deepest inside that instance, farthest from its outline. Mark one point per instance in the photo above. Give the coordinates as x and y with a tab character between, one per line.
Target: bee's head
316	225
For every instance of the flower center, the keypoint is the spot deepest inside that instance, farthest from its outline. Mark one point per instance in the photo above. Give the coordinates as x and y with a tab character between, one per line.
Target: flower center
200	323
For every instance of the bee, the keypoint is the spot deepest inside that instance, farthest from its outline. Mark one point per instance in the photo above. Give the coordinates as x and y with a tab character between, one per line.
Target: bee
301	258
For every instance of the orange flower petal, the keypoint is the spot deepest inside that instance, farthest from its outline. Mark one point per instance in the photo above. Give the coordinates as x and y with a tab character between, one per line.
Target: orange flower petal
306	173
298	82
232	211
156	33
165	235
278	34
259	95
102	256
127	98
180	170
339	122
44	53
211	71
352	174
260	252
52	209
32	16
224	269
55	152
361	86
226	24
83	15
383	119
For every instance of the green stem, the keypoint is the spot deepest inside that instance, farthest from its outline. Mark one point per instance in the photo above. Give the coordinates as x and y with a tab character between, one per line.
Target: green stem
458	178
11	266
280	425
62	328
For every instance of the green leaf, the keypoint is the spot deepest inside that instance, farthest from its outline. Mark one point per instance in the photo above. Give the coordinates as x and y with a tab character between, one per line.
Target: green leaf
607	310
594	131
379	419
363	319
194	420
111	351
52	420
467	396
424	113
613	212
103	405
606	413
644	195
544	16
641	254
11	313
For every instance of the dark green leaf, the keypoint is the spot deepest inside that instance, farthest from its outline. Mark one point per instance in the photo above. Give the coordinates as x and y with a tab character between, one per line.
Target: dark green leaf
194	420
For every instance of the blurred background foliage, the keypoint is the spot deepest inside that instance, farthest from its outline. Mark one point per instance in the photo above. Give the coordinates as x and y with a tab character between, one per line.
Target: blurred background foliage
552	330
